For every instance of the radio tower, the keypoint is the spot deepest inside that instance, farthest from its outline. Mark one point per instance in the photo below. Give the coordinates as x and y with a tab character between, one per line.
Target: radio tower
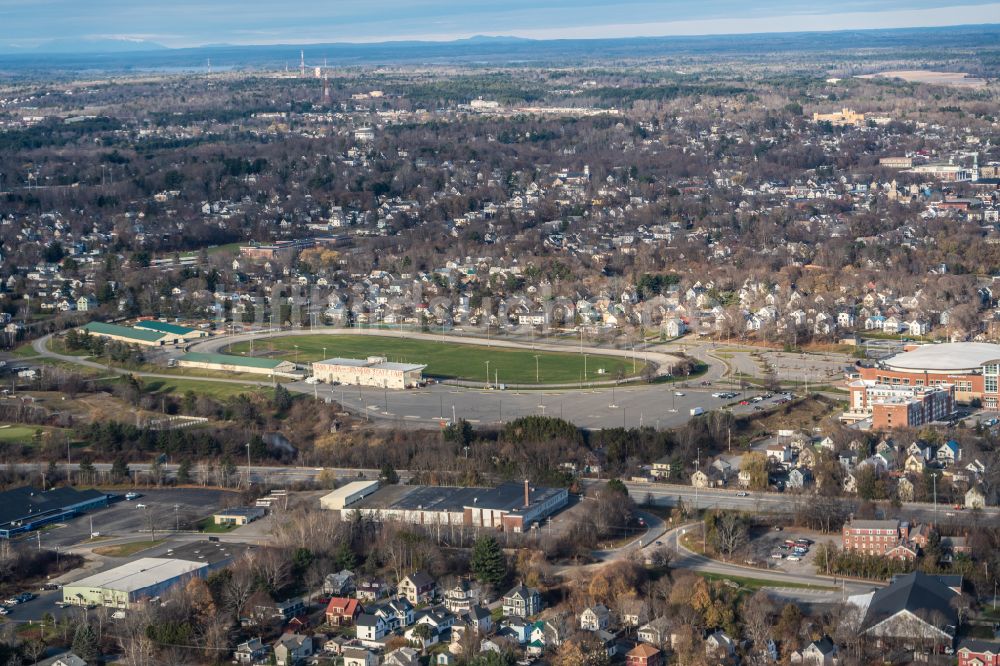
302	64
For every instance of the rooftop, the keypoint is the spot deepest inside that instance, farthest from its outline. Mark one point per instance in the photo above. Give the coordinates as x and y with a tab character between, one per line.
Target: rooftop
28	503
505	497
163	327
139	574
365	363
100	328
950	356
231	359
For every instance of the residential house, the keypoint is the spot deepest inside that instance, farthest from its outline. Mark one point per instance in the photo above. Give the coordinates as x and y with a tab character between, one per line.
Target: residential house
662	468
644	654
656	632
462	597
404	656
818	653
720	646
250	652
522	602
948	453
339	584
800	478
68	659
417	588
341	611
700	480
978	652
371	590
595	618
975	498
779	453
292	649
370	628
359	656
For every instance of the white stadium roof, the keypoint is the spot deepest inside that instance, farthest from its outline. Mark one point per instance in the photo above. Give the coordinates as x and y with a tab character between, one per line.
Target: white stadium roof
947	357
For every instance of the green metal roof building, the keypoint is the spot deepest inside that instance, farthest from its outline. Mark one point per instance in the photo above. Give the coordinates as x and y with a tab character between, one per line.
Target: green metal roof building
129	335
172	329
235	363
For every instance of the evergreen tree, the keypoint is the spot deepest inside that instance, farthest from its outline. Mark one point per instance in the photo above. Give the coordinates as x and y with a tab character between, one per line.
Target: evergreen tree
184	472
488	562
85	642
388	474
119	469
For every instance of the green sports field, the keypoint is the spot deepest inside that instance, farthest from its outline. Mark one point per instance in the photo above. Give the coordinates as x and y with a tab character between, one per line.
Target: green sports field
447	360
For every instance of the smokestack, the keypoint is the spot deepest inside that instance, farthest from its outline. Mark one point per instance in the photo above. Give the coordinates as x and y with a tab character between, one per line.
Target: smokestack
527	498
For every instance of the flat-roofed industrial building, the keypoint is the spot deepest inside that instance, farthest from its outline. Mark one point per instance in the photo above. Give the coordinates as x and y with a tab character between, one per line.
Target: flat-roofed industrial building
509	507
348	494
128	584
27	508
150	577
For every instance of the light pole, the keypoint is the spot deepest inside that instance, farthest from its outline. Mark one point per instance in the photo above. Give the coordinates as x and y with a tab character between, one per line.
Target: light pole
177	518
487	374
934	482
536	368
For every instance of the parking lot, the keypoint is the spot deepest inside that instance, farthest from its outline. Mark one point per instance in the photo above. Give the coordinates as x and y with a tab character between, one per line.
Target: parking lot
777	550
124	518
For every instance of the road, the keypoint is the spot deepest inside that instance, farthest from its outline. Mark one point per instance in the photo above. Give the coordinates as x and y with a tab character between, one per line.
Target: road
664	494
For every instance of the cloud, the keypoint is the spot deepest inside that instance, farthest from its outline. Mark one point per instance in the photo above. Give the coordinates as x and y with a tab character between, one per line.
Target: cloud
195	22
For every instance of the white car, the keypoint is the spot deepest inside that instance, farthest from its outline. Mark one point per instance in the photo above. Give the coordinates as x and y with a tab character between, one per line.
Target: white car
140	506
743	493
679	394
131	496
794	558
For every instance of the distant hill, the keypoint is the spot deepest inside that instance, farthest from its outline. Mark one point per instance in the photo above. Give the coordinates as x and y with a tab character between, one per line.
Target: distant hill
70	46
110	55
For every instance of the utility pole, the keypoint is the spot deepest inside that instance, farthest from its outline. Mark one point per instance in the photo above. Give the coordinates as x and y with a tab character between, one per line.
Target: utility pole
934	481
487	374
536	368
248	464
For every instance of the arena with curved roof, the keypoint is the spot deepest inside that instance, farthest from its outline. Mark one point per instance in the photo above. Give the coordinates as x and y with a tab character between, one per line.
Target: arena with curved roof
973	368
948	357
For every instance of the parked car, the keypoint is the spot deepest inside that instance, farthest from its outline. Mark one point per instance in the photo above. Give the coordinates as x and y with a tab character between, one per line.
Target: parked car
742	493
131	496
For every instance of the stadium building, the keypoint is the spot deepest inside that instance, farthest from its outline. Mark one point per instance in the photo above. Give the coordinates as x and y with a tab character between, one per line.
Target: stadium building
509	506
972	368
374	371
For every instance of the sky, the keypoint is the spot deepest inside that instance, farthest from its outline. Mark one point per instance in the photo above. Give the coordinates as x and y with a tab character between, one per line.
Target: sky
187	23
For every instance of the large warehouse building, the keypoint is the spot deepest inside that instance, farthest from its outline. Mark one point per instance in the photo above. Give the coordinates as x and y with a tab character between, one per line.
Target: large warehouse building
509	506
150	577
972	368
24	509
126	585
373	371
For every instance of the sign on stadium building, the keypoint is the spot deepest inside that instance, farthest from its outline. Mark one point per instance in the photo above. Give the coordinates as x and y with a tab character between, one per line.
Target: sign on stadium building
373	371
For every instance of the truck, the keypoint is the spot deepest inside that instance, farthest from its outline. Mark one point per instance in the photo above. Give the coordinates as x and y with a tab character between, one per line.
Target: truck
697	411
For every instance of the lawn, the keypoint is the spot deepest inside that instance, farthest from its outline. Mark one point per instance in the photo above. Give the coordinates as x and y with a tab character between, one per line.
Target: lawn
447	360
21	434
208	526
749	583
219	390
126	549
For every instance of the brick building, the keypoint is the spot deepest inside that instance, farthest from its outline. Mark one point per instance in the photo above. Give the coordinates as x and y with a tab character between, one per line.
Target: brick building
879	537
898	405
